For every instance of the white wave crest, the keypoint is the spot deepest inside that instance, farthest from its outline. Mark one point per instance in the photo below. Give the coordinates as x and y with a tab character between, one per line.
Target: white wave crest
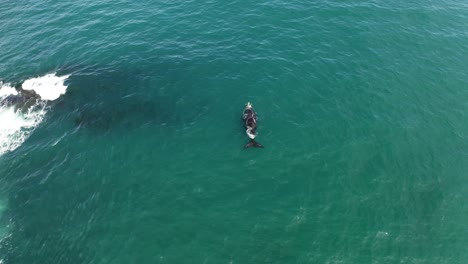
6	89
16	126
48	87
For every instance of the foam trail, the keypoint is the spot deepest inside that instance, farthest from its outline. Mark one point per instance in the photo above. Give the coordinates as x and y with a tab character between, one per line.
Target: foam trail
16	126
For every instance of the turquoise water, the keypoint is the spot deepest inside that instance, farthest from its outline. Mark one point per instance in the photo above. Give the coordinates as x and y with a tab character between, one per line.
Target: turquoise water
363	112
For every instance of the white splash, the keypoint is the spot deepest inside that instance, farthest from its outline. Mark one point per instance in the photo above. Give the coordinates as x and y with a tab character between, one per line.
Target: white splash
48	87
6	89
16	126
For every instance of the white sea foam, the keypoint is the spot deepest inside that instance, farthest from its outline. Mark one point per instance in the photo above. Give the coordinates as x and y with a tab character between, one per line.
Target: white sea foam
6	89
16	126
49	87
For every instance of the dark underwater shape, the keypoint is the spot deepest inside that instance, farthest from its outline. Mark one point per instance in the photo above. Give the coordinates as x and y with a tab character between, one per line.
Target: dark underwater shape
21	101
102	99
125	113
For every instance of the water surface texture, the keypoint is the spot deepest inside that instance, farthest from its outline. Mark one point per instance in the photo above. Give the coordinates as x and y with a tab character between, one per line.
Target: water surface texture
363	112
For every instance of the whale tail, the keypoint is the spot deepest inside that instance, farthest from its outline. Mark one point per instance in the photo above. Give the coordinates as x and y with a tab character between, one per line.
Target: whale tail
254	144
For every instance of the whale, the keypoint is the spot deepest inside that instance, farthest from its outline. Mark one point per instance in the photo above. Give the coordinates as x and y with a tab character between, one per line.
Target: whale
22	101
249	116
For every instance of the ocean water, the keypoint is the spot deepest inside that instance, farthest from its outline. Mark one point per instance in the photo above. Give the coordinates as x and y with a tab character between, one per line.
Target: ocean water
136	154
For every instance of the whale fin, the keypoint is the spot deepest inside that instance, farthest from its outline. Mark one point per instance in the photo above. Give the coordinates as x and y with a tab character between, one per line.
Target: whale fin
254	144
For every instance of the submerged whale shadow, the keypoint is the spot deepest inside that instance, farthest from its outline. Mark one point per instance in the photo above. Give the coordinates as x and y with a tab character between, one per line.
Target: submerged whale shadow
127	113
131	98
